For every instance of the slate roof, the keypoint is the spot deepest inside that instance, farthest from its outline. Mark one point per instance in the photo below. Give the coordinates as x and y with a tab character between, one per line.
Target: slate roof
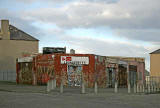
17	34
156	52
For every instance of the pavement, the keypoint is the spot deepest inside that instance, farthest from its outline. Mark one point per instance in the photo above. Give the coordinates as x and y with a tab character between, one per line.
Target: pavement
27	96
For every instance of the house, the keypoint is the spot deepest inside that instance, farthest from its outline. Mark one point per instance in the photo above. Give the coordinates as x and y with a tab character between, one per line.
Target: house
155	63
13	42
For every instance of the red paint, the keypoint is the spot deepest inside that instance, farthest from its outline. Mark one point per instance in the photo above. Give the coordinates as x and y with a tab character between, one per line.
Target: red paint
42	63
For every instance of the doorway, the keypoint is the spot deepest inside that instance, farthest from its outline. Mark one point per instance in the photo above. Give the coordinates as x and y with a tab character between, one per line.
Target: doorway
122	76
111	77
74	75
132	75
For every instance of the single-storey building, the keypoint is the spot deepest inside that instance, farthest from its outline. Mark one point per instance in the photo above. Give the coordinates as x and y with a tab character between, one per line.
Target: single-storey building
75	68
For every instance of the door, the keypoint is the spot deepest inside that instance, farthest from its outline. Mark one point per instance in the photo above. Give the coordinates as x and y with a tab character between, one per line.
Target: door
132	75
111	77
74	75
122	76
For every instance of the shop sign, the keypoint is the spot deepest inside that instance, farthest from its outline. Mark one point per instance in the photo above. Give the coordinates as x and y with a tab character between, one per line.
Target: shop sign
25	59
74	60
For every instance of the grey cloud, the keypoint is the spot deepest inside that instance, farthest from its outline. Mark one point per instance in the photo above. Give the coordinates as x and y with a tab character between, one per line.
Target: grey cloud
106	48
16	20
149	35
117	15
133	19
64	1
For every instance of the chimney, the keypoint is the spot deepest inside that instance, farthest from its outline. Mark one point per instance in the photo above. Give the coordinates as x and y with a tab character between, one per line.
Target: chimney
5	29
72	51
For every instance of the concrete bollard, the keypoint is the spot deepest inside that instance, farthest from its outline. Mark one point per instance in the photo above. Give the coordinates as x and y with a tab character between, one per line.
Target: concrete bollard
140	88
129	88
61	87
48	86
116	87
95	88
143	88
152	88
155	88
149	88
135	88
54	83
83	88
158	87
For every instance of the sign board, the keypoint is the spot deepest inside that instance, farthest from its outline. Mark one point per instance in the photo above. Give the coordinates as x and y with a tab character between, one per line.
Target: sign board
25	59
122	62
111	60
74	60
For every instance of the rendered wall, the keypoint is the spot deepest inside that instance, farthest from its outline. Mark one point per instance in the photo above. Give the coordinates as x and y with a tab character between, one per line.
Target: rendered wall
155	65
9	51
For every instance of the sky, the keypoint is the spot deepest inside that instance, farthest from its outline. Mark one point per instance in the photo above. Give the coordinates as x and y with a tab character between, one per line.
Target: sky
105	27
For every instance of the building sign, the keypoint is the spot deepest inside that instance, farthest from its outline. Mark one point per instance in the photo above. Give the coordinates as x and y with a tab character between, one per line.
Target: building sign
25	59
122	62
111	60
74	60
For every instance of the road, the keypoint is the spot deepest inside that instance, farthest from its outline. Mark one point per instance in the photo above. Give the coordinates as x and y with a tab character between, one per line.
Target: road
34	97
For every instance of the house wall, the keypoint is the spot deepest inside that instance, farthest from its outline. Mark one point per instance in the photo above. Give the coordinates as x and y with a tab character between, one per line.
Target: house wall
139	62
9	51
140	70
155	65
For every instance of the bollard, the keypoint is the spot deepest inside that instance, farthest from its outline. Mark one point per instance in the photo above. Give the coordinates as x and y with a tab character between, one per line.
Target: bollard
116	88
129	88
54	83
135	88
149	88
95	88
83	88
140	88
152	88
155	88
34	79
158	87
52	86
61	87
48	86
143	88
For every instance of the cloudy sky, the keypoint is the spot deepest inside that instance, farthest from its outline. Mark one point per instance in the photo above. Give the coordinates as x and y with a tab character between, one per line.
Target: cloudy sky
104	27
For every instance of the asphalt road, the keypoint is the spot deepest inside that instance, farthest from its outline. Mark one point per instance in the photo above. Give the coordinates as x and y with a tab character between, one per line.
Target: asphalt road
19	96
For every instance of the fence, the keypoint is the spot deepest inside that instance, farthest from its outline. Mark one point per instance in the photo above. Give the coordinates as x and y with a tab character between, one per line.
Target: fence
7	75
151	85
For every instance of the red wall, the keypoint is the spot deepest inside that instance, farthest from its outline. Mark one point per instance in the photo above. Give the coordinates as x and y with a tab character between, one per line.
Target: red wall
48	67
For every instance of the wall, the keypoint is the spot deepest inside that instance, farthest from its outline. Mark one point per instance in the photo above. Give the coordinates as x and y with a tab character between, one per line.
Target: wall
155	65
9	51
49	66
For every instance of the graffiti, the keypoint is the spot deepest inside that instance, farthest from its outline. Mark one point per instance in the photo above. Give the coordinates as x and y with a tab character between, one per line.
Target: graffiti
25	73
44	73
74	75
